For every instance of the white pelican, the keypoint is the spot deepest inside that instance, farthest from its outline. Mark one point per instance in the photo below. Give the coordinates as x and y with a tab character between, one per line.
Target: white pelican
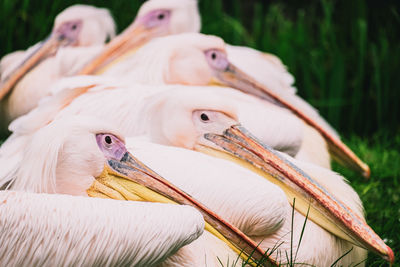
155	18
265	67
79	32
62	230
77	144
204	130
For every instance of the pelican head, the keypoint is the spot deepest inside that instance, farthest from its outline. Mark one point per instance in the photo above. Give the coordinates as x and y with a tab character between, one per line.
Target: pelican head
179	16
83	25
62	144
155	18
78	25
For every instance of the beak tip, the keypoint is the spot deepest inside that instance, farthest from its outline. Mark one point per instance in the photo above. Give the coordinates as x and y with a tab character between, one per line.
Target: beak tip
366	172
390	255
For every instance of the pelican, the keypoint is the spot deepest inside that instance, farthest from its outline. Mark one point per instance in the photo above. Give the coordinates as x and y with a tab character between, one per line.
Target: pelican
79	32
266	67
154	19
62	230
51	177
256	206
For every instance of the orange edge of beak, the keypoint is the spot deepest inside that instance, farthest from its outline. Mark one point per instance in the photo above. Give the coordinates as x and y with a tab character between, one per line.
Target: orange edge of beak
232	75
132	37
46	48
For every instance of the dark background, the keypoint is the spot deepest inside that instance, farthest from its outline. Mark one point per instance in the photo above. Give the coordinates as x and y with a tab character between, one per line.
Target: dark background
345	55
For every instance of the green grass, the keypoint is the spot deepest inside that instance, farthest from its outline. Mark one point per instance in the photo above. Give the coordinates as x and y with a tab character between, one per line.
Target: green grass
381	194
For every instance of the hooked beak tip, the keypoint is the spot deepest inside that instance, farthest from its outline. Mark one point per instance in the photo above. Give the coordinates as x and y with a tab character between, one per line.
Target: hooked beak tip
390	255
367	172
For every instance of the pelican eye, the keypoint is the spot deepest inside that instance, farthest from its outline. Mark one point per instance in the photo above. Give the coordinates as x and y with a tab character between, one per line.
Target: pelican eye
217	59
74	26
161	16
108	139
204	117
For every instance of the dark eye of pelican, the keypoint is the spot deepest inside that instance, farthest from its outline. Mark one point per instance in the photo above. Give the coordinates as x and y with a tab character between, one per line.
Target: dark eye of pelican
161	16
213	55
108	139
111	146
204	117
74	26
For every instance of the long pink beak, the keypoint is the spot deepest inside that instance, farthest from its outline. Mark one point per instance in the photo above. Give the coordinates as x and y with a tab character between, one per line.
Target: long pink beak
330	213
234	77
47	48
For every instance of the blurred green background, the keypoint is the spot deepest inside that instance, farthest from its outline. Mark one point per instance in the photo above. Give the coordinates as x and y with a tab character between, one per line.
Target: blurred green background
344	55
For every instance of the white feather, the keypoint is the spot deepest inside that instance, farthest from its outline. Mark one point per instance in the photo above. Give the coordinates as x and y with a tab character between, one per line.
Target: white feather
61	230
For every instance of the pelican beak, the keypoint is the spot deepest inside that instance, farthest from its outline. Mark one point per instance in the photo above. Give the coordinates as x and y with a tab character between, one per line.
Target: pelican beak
131	38
234	77
126	178
237	144
47	48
